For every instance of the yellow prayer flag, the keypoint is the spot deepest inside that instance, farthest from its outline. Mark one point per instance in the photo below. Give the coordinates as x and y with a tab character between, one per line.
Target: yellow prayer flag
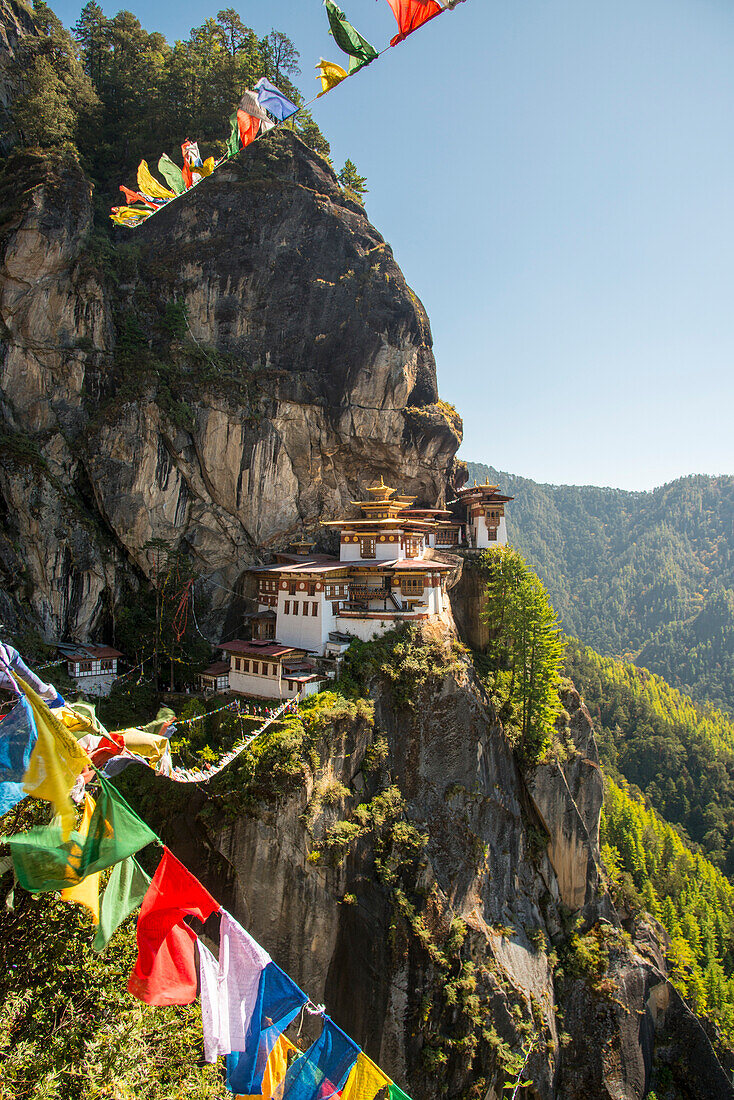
149	745
56	761
330	74
275	1069
365	1080
87	891
129	215
207	167
149	185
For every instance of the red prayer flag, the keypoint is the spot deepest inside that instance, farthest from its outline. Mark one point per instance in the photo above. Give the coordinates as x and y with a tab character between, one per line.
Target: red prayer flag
135	196
249	127
165	970
412	14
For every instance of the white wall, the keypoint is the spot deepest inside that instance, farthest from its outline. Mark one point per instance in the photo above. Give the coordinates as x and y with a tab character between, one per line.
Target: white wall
268	686
310	632
483	541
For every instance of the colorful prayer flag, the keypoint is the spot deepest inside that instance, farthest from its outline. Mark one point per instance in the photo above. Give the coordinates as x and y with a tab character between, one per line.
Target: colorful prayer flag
349	39
125	890
412	14
44	860
55	763
272	99
249	128
330	74
149	185
279	1000
85	892
17	739
396	1093
172	174
365	1080
321	1072
165	970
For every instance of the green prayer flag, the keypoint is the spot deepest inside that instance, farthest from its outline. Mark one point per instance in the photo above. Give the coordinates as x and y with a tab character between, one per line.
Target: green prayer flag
44	861
128	884
349	39
394	1092
172	174
233	144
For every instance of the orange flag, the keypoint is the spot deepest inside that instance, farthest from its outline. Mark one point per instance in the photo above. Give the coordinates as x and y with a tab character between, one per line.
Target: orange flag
412	14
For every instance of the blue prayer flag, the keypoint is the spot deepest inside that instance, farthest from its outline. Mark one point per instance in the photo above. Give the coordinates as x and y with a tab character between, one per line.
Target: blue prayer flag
279	1000
18	736
272	99
323	1070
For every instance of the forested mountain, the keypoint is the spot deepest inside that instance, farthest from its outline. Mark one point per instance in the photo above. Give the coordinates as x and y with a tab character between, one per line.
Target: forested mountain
644	576
679	753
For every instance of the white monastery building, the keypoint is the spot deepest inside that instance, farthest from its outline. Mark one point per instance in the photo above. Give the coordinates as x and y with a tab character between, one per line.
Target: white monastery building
386	574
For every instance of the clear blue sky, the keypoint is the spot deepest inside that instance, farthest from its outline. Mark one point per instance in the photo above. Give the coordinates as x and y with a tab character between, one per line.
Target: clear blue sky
556	179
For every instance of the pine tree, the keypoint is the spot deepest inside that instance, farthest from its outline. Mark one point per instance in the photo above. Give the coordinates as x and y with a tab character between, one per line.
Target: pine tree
352	182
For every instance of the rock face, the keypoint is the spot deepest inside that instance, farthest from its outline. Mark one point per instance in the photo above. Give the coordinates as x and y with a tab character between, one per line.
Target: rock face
417	883
222	378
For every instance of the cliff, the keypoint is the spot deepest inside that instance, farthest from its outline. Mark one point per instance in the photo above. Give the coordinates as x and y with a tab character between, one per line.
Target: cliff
391	855
222	378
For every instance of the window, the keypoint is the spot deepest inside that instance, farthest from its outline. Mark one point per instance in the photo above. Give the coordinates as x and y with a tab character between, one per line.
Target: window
314	610
367	547
335	609
412	586
492	533
292	588
295	607
312	588
255	668
287	607
290	685
245	665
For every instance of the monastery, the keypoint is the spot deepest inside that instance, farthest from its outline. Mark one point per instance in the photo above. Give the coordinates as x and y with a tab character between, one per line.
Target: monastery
388	572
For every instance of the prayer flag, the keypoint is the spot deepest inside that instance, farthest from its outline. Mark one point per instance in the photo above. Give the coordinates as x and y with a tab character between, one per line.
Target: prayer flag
279	1000
44	860
85	892
275	1069
365	1080
229	988
129	215
233	143
17	739
149	185
172	174
330	74
396	1093
349	39
191	161
412	14
323	1069
165	969
126	888
55	762
249	128
251	106
272	99
135	196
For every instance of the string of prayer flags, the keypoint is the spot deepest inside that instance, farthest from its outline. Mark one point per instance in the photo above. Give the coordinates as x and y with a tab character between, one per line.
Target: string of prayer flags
330	74
165	969
323	1069
229	988
44	860
129	215
17	738
272	99
279	1000
55	762
412	14
349	39
125	890
172	174
365	1080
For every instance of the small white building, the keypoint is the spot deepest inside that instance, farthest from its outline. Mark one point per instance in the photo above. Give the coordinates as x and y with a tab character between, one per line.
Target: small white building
215	678
268	670
94	667
485	515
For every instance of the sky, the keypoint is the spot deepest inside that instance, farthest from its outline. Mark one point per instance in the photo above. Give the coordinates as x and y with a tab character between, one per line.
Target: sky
556	180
